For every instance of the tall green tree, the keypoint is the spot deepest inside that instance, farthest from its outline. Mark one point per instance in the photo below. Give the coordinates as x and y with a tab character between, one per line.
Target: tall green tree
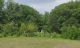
67	13
1	11
45	19
17	14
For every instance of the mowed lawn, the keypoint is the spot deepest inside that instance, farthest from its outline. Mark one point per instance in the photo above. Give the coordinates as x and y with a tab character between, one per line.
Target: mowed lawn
38	43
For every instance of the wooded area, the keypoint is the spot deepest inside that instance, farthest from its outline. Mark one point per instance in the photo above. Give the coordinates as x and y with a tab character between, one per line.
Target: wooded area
22	20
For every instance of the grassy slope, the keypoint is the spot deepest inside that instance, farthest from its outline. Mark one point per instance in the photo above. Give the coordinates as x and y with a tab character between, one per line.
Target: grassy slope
37	43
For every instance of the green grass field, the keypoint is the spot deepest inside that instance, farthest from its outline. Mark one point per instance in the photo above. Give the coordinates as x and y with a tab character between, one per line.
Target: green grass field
23	42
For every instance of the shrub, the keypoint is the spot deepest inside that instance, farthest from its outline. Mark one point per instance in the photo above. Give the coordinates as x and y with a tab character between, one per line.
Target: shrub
9	29
70	32
27	29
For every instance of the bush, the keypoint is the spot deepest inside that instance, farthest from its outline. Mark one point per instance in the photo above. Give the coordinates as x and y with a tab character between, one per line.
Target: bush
27	29
70	32
9	29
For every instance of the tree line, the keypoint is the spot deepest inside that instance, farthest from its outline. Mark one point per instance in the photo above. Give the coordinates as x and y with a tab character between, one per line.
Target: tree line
22	20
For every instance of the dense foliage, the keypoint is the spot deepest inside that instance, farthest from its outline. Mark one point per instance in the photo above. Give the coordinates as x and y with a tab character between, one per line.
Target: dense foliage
17	19
65	19
22	20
